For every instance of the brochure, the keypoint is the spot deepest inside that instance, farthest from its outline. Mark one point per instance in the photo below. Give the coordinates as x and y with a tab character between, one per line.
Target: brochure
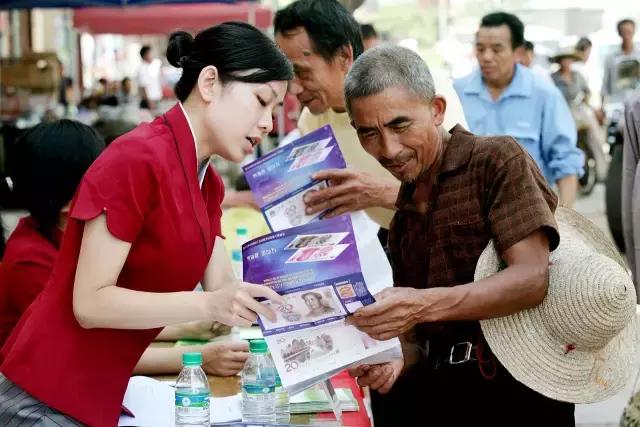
280	179
316	267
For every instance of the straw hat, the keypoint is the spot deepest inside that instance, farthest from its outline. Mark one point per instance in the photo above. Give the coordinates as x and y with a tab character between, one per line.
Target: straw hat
565	53
580	344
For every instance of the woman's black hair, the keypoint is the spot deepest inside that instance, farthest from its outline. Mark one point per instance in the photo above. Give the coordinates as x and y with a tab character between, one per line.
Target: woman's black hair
239	51
50	160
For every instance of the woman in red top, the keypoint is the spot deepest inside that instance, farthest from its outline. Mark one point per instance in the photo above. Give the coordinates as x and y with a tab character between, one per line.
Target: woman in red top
50	160
48	164
144	229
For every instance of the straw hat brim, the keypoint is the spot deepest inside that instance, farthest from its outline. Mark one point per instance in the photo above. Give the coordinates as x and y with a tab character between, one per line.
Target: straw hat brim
536	358
559	57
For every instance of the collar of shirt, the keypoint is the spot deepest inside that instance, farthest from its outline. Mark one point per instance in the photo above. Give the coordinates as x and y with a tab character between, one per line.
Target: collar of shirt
202	169
456	155
521	85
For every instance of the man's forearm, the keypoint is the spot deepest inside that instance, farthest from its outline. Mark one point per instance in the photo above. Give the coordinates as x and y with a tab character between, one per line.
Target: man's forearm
568	189
514	289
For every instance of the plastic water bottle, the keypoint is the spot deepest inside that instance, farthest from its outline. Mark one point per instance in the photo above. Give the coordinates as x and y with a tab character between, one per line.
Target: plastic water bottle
192	393
258	386
236	263
242	237
283	412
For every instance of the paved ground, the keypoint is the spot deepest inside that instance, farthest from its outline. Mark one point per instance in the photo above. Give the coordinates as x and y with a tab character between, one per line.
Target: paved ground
603	414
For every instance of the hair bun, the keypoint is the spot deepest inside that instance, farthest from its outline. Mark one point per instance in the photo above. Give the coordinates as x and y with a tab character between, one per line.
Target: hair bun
179	47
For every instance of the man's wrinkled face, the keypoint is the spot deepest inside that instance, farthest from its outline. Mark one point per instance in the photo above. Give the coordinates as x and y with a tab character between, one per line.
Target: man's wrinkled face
318	84
496	56
400	130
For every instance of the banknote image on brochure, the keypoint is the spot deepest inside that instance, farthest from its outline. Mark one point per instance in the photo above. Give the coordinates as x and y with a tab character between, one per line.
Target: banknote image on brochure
280	179
316	268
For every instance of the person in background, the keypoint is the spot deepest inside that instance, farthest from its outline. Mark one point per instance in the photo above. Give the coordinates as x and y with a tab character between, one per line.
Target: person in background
144	228
583	50
125	95
528	56
322	39
528	59
149	79
576	92
571	83
370	36
503	97
631	185
46	178
628	53
2	239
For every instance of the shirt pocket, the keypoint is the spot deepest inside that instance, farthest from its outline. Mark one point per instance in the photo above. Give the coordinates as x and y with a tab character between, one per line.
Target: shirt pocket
528	138
467	236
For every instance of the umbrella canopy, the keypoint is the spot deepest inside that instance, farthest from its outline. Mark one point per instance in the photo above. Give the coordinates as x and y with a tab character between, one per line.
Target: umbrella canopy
163	19
28	4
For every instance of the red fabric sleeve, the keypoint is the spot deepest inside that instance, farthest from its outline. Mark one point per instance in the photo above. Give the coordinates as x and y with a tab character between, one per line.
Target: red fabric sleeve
123	185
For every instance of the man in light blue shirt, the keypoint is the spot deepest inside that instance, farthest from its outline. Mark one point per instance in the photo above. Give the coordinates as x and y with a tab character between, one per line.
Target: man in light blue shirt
503	97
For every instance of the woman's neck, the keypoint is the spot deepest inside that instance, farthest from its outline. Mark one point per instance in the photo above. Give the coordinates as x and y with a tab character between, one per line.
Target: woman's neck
196	117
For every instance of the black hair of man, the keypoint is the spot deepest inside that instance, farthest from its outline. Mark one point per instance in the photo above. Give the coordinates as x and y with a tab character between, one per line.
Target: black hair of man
515	25
144	50
329	25
625	22
529	46
583	44
368	31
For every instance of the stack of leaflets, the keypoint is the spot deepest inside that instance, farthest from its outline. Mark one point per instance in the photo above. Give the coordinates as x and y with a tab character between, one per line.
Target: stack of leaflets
315	400
325	269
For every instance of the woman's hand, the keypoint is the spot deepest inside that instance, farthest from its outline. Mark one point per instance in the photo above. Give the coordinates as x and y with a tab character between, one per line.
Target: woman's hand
225	358
236	305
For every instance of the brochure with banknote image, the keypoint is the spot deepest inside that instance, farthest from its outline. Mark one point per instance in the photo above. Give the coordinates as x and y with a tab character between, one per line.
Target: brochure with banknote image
316	268
280	179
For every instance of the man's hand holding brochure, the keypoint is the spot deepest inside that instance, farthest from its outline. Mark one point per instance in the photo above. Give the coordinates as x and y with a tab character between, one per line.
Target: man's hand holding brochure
325	270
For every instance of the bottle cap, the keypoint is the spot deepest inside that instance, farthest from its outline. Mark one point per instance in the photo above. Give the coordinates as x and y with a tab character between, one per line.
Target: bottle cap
192	359
258	346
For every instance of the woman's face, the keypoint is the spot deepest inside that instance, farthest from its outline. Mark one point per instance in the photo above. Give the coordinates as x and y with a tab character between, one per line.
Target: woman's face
240	115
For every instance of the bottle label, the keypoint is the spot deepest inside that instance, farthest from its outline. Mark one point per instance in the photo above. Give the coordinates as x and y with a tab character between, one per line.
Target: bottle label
189	400
259	388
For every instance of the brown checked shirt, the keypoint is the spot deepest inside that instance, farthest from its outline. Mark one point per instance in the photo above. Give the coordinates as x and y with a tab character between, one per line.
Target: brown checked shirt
487	188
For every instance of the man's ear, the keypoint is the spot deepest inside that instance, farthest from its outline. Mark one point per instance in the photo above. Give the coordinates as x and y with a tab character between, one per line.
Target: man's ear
439	108
344	58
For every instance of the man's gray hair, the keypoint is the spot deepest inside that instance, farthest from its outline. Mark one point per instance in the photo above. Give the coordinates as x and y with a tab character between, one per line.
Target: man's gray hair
388	66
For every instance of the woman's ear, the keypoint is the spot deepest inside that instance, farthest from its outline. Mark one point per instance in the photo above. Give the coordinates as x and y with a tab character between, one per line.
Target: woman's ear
208	83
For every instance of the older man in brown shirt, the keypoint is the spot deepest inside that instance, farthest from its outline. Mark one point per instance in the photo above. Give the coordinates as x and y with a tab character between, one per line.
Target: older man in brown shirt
459	191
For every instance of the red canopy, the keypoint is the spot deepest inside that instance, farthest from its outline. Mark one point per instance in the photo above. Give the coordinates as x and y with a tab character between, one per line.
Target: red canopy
164	19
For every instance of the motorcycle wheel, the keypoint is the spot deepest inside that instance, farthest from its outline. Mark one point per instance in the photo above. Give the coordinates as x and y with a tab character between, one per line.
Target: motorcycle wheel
613	196
590	178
